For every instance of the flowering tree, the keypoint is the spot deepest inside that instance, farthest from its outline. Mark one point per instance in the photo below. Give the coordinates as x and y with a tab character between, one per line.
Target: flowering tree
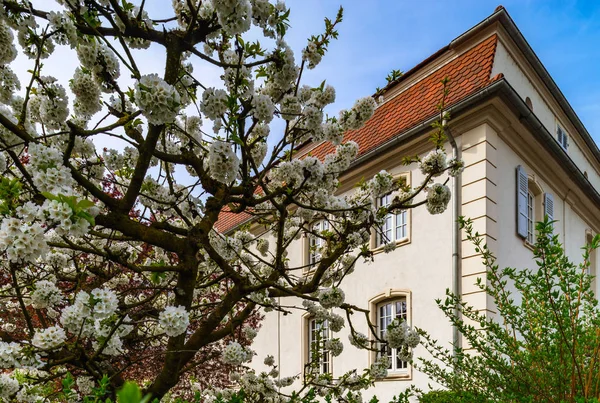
112	267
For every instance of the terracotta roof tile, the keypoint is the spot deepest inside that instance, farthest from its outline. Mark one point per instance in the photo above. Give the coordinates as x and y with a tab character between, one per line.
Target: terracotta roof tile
468	73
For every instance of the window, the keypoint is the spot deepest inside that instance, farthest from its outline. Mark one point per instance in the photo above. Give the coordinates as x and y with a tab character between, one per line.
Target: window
316	242
318	355
532	205
562	137
386	312
395	226
530	216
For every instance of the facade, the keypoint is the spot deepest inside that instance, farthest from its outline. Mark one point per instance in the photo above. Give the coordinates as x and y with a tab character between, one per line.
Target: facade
526	155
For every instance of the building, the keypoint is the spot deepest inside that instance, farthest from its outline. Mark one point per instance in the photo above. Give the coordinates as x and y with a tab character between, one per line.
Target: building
527	154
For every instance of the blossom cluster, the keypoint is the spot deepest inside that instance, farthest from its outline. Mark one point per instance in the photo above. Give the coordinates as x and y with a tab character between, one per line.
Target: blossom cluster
174	320
158	100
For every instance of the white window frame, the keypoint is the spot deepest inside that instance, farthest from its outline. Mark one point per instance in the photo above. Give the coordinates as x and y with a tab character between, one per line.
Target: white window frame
315	327
315	242
562	136
395	227
530	216
387	311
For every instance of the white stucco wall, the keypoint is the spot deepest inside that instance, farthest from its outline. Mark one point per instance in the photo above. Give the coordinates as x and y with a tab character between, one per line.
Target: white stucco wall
504	63
512	251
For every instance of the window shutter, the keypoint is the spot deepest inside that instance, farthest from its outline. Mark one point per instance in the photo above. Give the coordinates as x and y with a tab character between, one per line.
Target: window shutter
549	206
522	191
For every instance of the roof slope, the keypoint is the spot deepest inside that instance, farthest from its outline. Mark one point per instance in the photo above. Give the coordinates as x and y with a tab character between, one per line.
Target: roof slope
468	73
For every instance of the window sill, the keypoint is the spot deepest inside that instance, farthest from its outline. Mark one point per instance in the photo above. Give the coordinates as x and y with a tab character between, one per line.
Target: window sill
528	244
396	376
399	242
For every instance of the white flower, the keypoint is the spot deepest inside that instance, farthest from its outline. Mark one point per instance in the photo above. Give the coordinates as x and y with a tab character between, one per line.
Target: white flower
438	197
9	355
8	52
46	294
214	103
9	84
249	332
263	107
269	360
334	346
262	246
174	320
85	384
457	166
49	338
65	32
434	163
22	242
235	16
395	333
235	354
158	100
336	322
357	116
105	303
76	318
223	164
8	387
331	298
379	369
311	54
87	93
412	338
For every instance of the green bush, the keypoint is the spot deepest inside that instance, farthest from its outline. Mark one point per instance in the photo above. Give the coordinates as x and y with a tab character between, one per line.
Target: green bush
448	396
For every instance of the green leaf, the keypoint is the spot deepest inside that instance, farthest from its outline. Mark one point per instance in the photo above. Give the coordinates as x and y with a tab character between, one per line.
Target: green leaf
129	393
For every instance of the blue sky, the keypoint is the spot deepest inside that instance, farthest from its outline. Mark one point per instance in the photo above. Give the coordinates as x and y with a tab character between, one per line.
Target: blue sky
378	36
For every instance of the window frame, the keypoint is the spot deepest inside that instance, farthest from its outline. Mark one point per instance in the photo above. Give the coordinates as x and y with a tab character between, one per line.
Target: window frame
562	136
376	243
536	191
389	296
307	340
307	265
323	225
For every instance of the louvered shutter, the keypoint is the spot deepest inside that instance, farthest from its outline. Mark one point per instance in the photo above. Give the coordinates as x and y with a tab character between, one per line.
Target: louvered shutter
522	191
549	206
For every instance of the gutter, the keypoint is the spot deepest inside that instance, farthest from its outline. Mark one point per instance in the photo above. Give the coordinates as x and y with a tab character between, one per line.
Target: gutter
456	269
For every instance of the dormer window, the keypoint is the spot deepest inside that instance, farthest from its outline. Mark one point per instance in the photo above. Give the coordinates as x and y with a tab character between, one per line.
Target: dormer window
562	136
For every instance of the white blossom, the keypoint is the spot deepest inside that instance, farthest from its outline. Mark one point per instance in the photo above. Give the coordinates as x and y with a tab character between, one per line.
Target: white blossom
174	320
49	338
9	353
46	294
8	52
438	197
434	163
331	297
223	164
158	100
8	387
87	93
214	103
334	346
235	354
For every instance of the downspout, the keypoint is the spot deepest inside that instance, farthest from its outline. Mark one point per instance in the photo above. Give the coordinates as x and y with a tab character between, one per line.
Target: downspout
455	238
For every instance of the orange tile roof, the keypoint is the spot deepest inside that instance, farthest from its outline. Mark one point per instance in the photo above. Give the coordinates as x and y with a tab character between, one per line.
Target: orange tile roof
468	73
